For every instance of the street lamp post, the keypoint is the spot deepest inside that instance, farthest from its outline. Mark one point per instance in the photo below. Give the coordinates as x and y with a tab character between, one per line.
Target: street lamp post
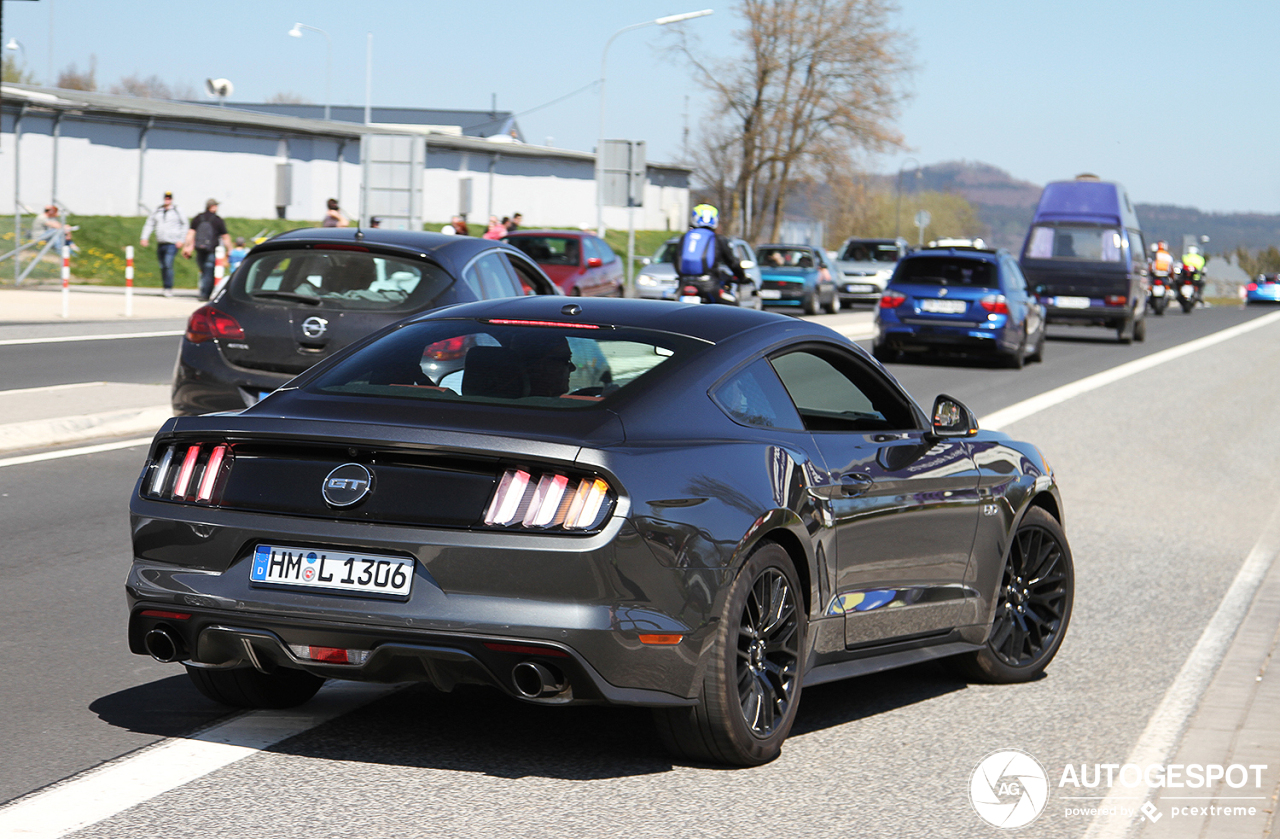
296	32
662	21
897	212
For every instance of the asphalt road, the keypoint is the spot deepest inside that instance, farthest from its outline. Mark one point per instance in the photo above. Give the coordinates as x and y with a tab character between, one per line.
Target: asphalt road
1168	478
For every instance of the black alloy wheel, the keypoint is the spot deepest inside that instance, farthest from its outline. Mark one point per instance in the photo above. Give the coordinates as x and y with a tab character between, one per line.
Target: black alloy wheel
751	690
1033	605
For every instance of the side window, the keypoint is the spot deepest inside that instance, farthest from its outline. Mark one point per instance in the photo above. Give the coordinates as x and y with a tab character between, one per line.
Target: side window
756	397
590	249
490	277
605	252
1137	250
530	281
1017	282
835	392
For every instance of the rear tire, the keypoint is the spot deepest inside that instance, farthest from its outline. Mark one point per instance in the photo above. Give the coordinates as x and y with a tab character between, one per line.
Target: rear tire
811	303
751	689
246	687
1187	305
1038	355
1140	330
883	354
834	306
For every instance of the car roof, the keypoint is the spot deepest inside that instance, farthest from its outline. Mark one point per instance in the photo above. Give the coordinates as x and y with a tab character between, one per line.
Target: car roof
452	252
984	254
566	234
707	322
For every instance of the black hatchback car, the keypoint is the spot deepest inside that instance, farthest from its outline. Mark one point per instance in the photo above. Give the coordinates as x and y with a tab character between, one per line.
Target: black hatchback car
300	297
741	505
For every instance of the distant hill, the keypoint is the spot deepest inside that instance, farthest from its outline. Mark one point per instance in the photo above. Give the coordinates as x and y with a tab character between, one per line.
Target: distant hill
1006	204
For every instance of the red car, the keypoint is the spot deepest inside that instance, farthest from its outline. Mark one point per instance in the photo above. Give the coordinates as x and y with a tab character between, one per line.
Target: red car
580	263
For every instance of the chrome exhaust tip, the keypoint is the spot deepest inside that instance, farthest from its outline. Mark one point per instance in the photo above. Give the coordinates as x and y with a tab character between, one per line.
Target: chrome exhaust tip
533	680
163	645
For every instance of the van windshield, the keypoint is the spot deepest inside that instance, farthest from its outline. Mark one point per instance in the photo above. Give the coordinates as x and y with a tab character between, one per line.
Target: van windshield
1080	242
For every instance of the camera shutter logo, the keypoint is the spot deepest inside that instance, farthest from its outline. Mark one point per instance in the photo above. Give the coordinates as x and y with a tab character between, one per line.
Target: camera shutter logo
1009	789
347	485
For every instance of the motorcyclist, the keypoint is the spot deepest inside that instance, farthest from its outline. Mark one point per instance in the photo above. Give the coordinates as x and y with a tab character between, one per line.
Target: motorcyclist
1193	268
701	253
1162	263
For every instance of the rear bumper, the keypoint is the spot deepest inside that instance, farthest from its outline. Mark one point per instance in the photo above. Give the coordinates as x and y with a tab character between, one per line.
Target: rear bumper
902	337
1097	314
204	382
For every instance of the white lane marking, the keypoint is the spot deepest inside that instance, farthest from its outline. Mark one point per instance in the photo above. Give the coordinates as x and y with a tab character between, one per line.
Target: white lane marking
100	793
47	388
100	447
1166	725
9	342
999	419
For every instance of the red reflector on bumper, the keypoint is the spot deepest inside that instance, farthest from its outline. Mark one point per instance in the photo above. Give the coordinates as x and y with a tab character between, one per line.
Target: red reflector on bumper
157	613
332	655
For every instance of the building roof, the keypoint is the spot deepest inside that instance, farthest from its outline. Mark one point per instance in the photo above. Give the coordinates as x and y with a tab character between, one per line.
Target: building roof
469	123
108	106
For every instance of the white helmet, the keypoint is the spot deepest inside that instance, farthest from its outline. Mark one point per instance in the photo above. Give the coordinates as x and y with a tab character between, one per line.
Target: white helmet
1193	249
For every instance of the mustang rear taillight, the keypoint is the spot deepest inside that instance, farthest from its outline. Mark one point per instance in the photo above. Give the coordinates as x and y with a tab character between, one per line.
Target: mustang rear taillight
207	323
194	472
548	500
995	304
892	300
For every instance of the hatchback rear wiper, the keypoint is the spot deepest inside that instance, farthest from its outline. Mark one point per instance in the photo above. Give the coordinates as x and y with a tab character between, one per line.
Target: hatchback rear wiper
288	295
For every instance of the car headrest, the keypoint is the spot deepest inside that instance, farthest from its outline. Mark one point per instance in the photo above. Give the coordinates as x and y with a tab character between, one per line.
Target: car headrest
495	372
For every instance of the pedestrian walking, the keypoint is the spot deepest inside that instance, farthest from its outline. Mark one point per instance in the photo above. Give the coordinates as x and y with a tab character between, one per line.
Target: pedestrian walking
170	229
203	236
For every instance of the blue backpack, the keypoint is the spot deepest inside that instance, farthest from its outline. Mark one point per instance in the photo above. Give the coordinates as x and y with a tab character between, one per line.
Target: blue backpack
697	252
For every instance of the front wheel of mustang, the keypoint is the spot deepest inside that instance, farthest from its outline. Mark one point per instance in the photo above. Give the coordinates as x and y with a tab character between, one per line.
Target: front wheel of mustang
751	689
245	687
1033	605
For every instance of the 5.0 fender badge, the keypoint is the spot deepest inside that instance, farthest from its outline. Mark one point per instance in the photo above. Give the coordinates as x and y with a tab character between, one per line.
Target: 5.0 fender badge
347	485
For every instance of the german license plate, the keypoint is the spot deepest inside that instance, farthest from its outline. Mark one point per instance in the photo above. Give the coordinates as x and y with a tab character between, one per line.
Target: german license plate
770	294
1188	290
1071	302
945	307
690	298
330	569
1157	291
858	288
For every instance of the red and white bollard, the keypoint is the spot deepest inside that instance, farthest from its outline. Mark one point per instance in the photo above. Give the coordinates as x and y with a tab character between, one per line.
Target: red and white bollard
219	267
66	281
128	281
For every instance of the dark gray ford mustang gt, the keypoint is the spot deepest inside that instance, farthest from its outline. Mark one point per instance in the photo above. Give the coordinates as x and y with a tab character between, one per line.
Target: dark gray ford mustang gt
696	508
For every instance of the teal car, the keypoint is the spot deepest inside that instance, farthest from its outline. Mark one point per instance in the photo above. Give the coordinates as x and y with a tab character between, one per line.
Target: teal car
797	276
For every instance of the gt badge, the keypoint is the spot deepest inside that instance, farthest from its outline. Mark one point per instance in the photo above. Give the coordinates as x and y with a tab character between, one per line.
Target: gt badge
347	485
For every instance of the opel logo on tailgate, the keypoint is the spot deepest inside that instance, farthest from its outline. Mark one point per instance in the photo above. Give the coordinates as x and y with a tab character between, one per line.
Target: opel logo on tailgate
347	485
314	327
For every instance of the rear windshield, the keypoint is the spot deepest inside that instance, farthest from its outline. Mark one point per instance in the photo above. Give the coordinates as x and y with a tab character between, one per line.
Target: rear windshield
1078	242
339	279
548	250
786	258
870	252
511	363
948	271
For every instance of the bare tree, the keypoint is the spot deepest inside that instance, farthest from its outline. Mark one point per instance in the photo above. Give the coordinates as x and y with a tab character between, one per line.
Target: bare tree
72	79
12	72
819	81
152	87
288	98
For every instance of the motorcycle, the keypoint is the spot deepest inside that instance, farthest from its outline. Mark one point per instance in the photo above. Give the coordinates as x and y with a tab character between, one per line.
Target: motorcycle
1161	290
704	288
1188	284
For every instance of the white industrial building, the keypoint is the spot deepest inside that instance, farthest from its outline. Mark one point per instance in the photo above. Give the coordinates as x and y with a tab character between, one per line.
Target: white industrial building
100	154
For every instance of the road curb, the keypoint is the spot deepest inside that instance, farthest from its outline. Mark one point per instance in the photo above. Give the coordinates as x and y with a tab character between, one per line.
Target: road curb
40	433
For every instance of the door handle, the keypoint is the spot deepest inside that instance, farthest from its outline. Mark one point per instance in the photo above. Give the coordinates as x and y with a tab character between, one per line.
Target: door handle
855	483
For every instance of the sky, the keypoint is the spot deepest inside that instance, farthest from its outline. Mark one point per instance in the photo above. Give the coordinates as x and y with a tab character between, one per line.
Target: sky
1172	98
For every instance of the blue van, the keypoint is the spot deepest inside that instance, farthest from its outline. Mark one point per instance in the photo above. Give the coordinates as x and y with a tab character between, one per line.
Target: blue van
1085	258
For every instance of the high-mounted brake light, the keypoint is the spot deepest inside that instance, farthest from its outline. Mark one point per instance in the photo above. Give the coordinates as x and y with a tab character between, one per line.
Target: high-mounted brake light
509	322
552	500
892	300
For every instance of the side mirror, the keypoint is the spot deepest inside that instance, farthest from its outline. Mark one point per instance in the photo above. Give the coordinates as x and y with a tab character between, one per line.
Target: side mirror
952	419
644	260
594	262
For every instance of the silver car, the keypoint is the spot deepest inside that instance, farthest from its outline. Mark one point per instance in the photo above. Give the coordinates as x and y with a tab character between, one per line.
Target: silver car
658	278
865	266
